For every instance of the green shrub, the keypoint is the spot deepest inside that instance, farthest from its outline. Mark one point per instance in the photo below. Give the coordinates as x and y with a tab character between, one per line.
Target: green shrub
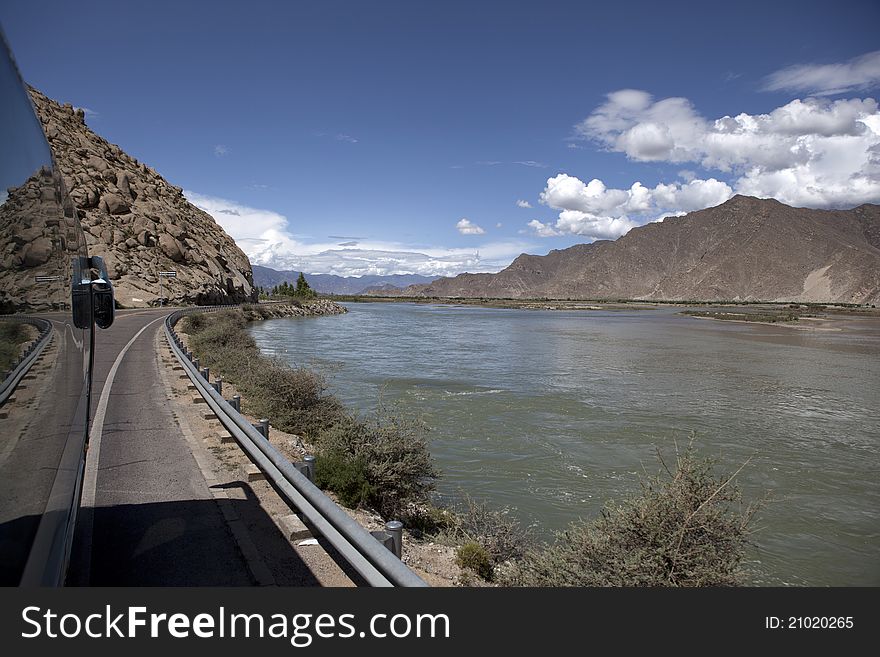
394	450
297	400
345	476
686	528
473	556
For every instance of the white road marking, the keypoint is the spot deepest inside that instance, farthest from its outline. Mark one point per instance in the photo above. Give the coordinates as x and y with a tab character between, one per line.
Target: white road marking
90	477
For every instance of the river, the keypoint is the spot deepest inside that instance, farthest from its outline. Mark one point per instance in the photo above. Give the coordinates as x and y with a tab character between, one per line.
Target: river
555	413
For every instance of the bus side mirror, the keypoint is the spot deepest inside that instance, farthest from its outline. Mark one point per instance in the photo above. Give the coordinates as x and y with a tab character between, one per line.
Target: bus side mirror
103	303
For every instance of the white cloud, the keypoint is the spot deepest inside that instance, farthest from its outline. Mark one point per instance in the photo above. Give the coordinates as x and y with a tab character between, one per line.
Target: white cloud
857	74
593	210
523	204
240	221
266	238
465	227
811	152
346	138
543	230
531	163
498	225
220	150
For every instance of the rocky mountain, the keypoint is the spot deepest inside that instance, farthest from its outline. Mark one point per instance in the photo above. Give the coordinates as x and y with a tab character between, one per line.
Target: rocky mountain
140	223
330	284
746	249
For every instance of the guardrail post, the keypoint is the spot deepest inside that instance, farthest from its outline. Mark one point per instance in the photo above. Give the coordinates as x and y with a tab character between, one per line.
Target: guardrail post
196	362
219	384
236	402
395	530
307	467
264	428
206	373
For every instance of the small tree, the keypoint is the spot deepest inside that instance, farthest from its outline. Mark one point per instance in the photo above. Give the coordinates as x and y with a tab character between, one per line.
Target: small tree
302	288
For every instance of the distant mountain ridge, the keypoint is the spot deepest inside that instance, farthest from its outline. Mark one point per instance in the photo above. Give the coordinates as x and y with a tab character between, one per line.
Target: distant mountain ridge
746	249
267	277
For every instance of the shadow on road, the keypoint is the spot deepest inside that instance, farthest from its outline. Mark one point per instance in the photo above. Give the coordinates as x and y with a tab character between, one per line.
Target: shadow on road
186	543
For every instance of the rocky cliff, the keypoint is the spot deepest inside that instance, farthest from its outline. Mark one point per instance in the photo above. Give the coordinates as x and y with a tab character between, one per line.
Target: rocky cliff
140	223
746	249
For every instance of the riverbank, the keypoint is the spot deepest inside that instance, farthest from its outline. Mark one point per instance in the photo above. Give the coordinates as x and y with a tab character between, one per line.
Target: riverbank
797	316
744	307
293	308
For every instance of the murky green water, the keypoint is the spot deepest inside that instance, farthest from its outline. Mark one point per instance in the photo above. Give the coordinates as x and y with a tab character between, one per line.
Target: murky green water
555	413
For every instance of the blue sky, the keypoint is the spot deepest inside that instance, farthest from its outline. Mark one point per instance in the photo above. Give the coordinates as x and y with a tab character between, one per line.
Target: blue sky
354	137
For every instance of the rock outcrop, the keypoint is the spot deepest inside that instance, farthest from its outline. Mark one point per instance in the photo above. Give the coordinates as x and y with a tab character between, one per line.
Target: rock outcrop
313	308
746	249
139	223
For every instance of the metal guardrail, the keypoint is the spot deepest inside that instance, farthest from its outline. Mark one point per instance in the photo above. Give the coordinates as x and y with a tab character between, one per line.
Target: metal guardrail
30	355
370	558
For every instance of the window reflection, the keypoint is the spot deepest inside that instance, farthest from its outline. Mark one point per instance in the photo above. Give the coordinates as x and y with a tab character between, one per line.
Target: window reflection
44	347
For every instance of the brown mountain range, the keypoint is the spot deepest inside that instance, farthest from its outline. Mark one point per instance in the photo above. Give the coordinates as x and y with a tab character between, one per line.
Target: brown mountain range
139	222
746	249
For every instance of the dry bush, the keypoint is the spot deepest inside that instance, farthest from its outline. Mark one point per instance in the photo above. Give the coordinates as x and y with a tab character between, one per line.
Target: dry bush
500	534
686	528
295	399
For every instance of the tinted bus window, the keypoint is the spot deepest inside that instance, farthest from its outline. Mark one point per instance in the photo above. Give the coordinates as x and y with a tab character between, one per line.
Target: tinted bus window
44	348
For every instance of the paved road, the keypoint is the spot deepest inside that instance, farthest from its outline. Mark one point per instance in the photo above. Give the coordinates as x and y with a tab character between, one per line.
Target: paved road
148	517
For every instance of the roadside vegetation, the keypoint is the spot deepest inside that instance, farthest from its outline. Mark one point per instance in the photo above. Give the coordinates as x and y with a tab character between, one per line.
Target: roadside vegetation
687	526
380	461
12	336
